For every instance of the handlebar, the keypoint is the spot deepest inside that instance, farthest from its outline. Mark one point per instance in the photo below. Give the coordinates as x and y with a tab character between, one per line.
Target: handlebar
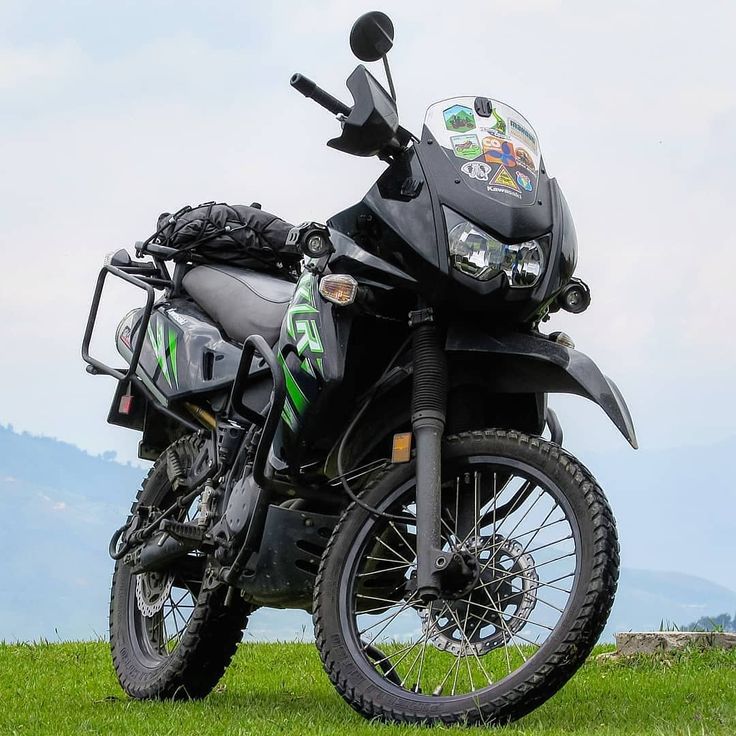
159	250
309	89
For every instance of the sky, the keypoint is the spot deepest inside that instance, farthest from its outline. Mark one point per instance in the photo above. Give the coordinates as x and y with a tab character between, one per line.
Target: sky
111	113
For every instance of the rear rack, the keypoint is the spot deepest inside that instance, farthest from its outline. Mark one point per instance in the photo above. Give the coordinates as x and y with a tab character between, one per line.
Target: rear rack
147	277
144	277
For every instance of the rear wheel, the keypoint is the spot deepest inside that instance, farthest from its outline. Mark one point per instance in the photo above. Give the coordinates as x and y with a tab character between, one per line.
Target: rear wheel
531	575
171	635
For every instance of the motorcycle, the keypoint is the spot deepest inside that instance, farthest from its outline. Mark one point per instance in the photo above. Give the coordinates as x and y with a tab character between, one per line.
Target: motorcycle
361	436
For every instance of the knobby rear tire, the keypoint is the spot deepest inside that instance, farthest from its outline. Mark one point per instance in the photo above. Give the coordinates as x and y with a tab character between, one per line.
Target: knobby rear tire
213	632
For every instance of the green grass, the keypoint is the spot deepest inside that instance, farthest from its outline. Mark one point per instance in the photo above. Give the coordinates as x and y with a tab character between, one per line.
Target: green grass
281	688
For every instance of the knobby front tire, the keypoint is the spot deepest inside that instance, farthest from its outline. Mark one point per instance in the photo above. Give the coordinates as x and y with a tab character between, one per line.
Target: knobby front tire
512	651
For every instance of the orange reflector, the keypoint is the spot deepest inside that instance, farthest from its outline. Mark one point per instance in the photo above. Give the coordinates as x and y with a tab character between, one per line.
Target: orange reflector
401	449
338	288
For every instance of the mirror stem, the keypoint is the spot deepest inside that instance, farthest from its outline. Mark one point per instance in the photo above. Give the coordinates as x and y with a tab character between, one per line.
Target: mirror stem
391	87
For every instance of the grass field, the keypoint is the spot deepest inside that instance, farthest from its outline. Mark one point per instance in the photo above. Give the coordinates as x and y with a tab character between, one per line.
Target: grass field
281	688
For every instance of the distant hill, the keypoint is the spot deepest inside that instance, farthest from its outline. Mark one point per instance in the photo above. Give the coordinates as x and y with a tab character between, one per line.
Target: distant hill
648	598
60	506
674	507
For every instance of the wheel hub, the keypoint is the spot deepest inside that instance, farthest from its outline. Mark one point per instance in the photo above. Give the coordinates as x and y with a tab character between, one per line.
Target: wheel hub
490	600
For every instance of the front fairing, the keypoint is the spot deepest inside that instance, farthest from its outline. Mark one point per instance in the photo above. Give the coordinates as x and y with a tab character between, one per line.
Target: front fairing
438	172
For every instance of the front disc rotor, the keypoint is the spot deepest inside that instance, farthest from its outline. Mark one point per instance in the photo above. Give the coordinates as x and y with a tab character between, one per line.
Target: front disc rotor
503	599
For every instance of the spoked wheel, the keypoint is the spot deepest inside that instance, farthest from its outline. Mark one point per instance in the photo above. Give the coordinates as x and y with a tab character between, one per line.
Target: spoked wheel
171	635
531	567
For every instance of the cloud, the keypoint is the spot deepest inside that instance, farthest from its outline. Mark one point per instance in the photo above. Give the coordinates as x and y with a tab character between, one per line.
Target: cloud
24	67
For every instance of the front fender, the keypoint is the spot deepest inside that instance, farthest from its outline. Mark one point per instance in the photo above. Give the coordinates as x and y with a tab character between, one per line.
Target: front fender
524	363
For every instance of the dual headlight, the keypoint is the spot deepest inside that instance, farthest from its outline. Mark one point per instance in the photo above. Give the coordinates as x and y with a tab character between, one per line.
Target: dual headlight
476	253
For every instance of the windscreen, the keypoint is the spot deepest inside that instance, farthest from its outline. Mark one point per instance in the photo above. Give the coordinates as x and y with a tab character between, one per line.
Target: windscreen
493	148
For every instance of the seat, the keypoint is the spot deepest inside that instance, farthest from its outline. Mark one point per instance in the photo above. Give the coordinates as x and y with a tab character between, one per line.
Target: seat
243	302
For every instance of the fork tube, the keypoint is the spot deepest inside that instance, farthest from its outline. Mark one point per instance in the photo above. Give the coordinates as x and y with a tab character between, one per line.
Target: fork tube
429	401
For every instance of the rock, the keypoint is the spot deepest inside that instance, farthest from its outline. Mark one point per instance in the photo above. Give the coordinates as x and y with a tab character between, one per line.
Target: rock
652	642
604	656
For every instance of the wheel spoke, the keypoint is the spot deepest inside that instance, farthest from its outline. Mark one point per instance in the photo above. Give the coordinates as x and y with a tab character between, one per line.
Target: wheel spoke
418	687
390	548
405	605
471	647
495	609
384	570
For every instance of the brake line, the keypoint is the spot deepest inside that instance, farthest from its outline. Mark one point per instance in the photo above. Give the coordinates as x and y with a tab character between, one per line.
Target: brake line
340	468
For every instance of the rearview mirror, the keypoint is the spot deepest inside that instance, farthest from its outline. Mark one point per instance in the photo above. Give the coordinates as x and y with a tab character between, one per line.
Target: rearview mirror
372	36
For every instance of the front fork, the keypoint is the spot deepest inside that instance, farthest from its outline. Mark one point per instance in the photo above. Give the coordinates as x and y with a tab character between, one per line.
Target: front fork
429	406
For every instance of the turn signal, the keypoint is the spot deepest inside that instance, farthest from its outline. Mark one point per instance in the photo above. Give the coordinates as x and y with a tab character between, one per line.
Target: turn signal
338	288
401	448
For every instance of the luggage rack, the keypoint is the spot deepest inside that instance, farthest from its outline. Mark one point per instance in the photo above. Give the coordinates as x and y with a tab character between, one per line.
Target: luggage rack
147	276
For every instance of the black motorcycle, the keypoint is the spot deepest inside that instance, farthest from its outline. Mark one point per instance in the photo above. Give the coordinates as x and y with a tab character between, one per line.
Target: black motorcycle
348	419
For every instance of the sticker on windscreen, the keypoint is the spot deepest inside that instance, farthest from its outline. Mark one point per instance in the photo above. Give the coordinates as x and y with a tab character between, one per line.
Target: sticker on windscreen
466	146
459	119
520	131
523	158
476	170
497	155
497	151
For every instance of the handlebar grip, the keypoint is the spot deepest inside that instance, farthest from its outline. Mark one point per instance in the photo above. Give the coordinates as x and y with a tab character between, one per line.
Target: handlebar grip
309	89
160	250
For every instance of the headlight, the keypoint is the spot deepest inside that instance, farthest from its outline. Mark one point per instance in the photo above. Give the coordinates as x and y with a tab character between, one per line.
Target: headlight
476	253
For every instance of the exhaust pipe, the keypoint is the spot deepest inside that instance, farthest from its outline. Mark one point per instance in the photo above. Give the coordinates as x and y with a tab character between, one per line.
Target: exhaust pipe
158	553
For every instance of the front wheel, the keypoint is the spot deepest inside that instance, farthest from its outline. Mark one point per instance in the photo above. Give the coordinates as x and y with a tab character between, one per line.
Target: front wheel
533	564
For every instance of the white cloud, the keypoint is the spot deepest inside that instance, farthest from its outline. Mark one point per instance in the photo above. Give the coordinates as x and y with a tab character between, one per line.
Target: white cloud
28	66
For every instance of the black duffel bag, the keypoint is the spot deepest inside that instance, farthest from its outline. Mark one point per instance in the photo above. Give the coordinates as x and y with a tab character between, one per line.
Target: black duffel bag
236	235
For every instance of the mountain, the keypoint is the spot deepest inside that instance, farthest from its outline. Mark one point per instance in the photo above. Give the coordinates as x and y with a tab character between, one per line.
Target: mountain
674	507
647	599
60	506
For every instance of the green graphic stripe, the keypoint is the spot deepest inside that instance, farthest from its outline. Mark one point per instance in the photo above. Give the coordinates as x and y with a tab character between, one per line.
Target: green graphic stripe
172	355
287	414
158	350
161	350
292	387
